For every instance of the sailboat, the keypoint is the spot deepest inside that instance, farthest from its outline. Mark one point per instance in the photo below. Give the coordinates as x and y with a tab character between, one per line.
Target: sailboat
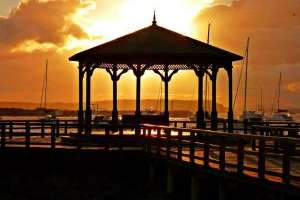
48	115
280	114
250	116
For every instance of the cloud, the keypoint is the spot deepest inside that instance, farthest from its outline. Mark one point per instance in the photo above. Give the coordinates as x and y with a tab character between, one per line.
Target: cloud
41	21
274	30
273	27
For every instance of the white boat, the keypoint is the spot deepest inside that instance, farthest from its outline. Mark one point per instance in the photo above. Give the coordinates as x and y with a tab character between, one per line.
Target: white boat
280	114
252	116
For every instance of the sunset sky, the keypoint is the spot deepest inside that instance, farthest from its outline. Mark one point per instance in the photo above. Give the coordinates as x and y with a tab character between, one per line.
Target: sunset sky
32	31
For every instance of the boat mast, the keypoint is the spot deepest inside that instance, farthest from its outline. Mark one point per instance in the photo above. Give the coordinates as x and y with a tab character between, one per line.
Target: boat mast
279	88
246	75
46	82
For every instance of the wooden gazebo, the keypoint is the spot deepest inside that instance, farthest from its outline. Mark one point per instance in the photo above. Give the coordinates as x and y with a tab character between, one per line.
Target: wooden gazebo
163	51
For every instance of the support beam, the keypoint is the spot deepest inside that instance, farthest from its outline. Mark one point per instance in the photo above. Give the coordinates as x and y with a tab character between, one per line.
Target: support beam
80	101
88	113
230	108
214	113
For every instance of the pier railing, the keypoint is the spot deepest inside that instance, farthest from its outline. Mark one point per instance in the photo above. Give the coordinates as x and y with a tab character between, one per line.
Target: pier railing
268	153
228	152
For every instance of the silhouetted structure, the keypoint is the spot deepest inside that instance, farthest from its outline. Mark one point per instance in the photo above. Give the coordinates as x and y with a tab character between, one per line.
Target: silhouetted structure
163	51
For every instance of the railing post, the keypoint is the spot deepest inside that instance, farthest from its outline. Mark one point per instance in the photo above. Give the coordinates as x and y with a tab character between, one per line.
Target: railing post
57	128
66	127
286	163
121	138
3	142
253	142
168	141
158	140
222	161
240	159
42	128
192	147
245	126
224	126
206	151
53	136
184	124
10	130
179	145
149	141
144	138
27	135
261	159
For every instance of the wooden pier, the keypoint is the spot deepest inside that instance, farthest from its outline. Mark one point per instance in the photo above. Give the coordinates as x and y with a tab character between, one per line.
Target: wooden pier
267	155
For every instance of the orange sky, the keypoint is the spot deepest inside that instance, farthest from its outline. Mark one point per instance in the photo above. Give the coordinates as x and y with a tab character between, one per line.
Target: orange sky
33	30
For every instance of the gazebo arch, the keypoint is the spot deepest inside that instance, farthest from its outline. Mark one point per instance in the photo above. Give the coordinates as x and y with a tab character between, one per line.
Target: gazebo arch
163	51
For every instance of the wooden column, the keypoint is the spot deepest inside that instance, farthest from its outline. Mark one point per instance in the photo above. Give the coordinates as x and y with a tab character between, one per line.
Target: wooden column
88	114
166	78
214	113
115	77
80	102
166	111
138	98
115	96
200	111
230	108
199	71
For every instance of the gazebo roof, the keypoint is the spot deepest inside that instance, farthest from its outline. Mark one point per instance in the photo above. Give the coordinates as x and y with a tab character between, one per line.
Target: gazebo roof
156	45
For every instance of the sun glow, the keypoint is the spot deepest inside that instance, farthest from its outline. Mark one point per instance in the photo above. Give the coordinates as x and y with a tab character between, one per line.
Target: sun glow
130	15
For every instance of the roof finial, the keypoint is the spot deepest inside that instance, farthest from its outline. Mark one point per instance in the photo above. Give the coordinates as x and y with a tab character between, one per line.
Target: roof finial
154	19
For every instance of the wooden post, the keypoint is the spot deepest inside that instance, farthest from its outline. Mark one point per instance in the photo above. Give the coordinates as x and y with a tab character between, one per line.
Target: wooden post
179	145
168	141
57	128
206	151
3	135
200	111
53	136
27	135
121	138
240	159
230	107
166	81
10	130
149	141
286	163
192	147
66	127
138	95
214	113
222	161
42	129
261	159
88	113
80	96
158	140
